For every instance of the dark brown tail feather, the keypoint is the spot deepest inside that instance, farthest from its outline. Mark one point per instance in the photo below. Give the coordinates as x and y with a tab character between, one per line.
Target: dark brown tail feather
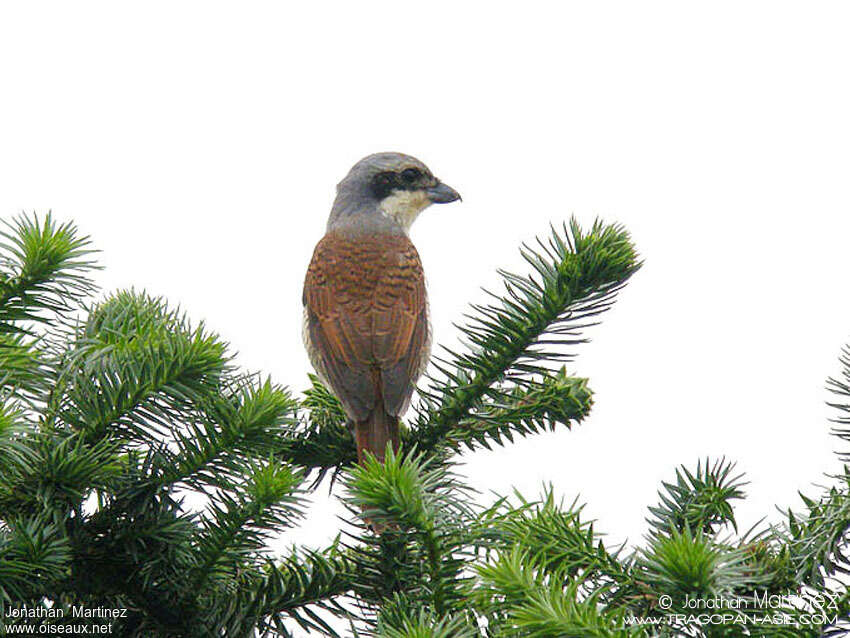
373	434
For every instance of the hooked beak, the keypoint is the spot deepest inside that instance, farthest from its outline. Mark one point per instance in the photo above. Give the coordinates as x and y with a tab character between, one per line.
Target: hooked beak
442	193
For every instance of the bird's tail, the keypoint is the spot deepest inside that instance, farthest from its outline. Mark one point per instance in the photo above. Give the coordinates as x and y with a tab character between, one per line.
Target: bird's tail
373	434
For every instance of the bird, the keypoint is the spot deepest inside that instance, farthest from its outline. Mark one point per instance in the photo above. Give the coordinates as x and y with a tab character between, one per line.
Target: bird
366	320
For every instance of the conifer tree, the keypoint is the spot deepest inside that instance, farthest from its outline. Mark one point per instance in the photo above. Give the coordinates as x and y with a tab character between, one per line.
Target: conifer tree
120	414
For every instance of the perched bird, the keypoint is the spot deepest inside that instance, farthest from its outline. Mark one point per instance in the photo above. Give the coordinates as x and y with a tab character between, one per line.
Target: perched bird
366	324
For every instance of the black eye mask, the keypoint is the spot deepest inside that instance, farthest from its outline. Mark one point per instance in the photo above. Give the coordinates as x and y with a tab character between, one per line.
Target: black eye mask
386	182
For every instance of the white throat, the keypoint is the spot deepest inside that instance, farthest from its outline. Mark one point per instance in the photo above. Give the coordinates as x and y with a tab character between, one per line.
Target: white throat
404	207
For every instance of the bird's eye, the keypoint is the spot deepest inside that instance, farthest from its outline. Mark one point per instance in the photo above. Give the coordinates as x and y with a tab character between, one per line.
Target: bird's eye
410	175
383	184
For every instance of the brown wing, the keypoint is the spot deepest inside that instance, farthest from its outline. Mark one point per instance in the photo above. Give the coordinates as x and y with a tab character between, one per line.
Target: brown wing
367	319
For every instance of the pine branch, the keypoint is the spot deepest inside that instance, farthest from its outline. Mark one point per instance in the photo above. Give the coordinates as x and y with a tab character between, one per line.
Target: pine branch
24	374
771	561
400	619
57	472
34	555
558	611
138	556
16	453
44	271
818	538
576	277
321	440
557	540
519	599
403	489
135	369
700	501
537	405
245	422
240	525
423	518
841	388
287	590
692	563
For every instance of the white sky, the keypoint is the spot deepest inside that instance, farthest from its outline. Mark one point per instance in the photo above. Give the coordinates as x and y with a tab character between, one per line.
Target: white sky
200	143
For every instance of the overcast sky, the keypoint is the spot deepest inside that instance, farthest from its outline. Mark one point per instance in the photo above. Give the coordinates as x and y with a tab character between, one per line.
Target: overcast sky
199	145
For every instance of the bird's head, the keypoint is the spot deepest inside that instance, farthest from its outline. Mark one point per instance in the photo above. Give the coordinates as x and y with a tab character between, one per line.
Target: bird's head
393	186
